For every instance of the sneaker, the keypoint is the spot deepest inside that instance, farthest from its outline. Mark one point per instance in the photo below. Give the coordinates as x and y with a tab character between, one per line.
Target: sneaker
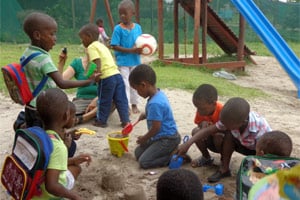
99	124
217	176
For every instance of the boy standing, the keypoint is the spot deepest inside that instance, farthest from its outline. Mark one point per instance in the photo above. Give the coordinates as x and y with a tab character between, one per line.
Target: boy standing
123	42
111	86
61	173
41	29
162	138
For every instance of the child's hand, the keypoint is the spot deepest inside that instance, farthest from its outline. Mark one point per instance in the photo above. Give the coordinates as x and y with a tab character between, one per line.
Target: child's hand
83	158
138	50
182	149
95	77
142	116
76	136
62	58
141	140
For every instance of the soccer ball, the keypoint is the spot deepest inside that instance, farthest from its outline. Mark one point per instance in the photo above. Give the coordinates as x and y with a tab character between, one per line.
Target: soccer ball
148	43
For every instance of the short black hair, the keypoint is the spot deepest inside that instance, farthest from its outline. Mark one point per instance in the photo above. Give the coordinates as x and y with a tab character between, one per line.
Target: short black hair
179	184
207	93
142	73
235	110
127	4
91	30
99	20
51	104
275	142
36	21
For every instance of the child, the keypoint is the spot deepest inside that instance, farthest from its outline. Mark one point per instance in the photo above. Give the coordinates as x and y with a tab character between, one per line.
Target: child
242	128
205	99
103	38
179	184
110	86
123	42
70	135
41	29
53	108
276	143
156	146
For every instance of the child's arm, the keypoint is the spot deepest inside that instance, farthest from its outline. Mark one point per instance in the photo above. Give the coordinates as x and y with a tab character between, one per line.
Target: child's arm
201	134
66	84
152	132
57	189
77	160
97	61
128	50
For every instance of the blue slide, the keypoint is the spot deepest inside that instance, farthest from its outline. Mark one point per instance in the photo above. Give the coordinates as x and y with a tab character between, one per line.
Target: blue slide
271	38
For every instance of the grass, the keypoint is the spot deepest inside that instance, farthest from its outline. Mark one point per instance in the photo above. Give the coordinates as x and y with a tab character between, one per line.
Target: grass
170	76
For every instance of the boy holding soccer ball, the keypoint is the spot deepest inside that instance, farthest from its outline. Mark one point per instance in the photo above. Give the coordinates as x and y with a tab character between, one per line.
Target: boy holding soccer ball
126	53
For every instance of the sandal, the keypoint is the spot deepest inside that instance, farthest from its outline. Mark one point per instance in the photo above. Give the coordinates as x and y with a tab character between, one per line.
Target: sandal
201	162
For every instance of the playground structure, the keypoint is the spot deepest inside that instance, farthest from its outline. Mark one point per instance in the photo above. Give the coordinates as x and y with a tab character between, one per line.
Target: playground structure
212	25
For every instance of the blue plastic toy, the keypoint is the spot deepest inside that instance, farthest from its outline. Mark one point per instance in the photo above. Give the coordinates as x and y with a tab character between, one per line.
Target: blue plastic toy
176	160
218	189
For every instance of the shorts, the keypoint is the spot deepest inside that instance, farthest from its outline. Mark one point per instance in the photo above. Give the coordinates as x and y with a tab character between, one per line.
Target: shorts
81	105
70	180
238	147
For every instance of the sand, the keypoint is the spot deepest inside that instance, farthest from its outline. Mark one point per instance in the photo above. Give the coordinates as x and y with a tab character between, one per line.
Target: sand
111	178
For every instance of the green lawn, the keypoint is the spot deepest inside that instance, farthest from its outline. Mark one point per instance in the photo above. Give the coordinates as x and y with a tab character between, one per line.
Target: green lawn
169	76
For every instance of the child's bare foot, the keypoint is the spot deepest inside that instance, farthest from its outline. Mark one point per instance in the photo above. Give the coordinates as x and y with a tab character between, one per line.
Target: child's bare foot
134	109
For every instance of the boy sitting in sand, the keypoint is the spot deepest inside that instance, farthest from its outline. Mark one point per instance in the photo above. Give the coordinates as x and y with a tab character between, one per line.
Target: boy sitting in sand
162	138
205	99
61	173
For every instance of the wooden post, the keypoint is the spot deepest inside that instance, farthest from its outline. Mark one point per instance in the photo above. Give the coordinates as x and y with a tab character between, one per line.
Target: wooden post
93	11
160	29
241	41
109	15
196	31
204	32
176	37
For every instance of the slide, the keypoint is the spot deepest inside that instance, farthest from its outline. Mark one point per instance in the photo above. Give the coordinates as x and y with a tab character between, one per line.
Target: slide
271	38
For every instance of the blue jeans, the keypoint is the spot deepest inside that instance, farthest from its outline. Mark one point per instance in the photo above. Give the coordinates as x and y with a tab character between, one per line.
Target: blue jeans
156	153
112	89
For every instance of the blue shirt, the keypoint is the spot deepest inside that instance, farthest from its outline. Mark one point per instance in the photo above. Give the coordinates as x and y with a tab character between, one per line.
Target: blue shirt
158	108
126	38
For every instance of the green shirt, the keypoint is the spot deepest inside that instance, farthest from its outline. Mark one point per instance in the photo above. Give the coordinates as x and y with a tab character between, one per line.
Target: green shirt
59	161
86	92
37	68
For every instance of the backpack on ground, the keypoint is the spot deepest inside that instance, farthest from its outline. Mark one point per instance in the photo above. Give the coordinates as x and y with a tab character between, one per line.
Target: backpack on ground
16	83
23	170
253	168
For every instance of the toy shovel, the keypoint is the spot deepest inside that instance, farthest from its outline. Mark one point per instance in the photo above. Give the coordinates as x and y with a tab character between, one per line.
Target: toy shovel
128	128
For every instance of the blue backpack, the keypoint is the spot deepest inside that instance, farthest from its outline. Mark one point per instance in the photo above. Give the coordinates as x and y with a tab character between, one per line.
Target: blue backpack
23	170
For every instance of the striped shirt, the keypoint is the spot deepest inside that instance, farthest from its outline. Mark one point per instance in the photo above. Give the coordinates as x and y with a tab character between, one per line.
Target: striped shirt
257	126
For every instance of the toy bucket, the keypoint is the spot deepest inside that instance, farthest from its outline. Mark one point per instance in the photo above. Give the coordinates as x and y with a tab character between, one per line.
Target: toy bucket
118	143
